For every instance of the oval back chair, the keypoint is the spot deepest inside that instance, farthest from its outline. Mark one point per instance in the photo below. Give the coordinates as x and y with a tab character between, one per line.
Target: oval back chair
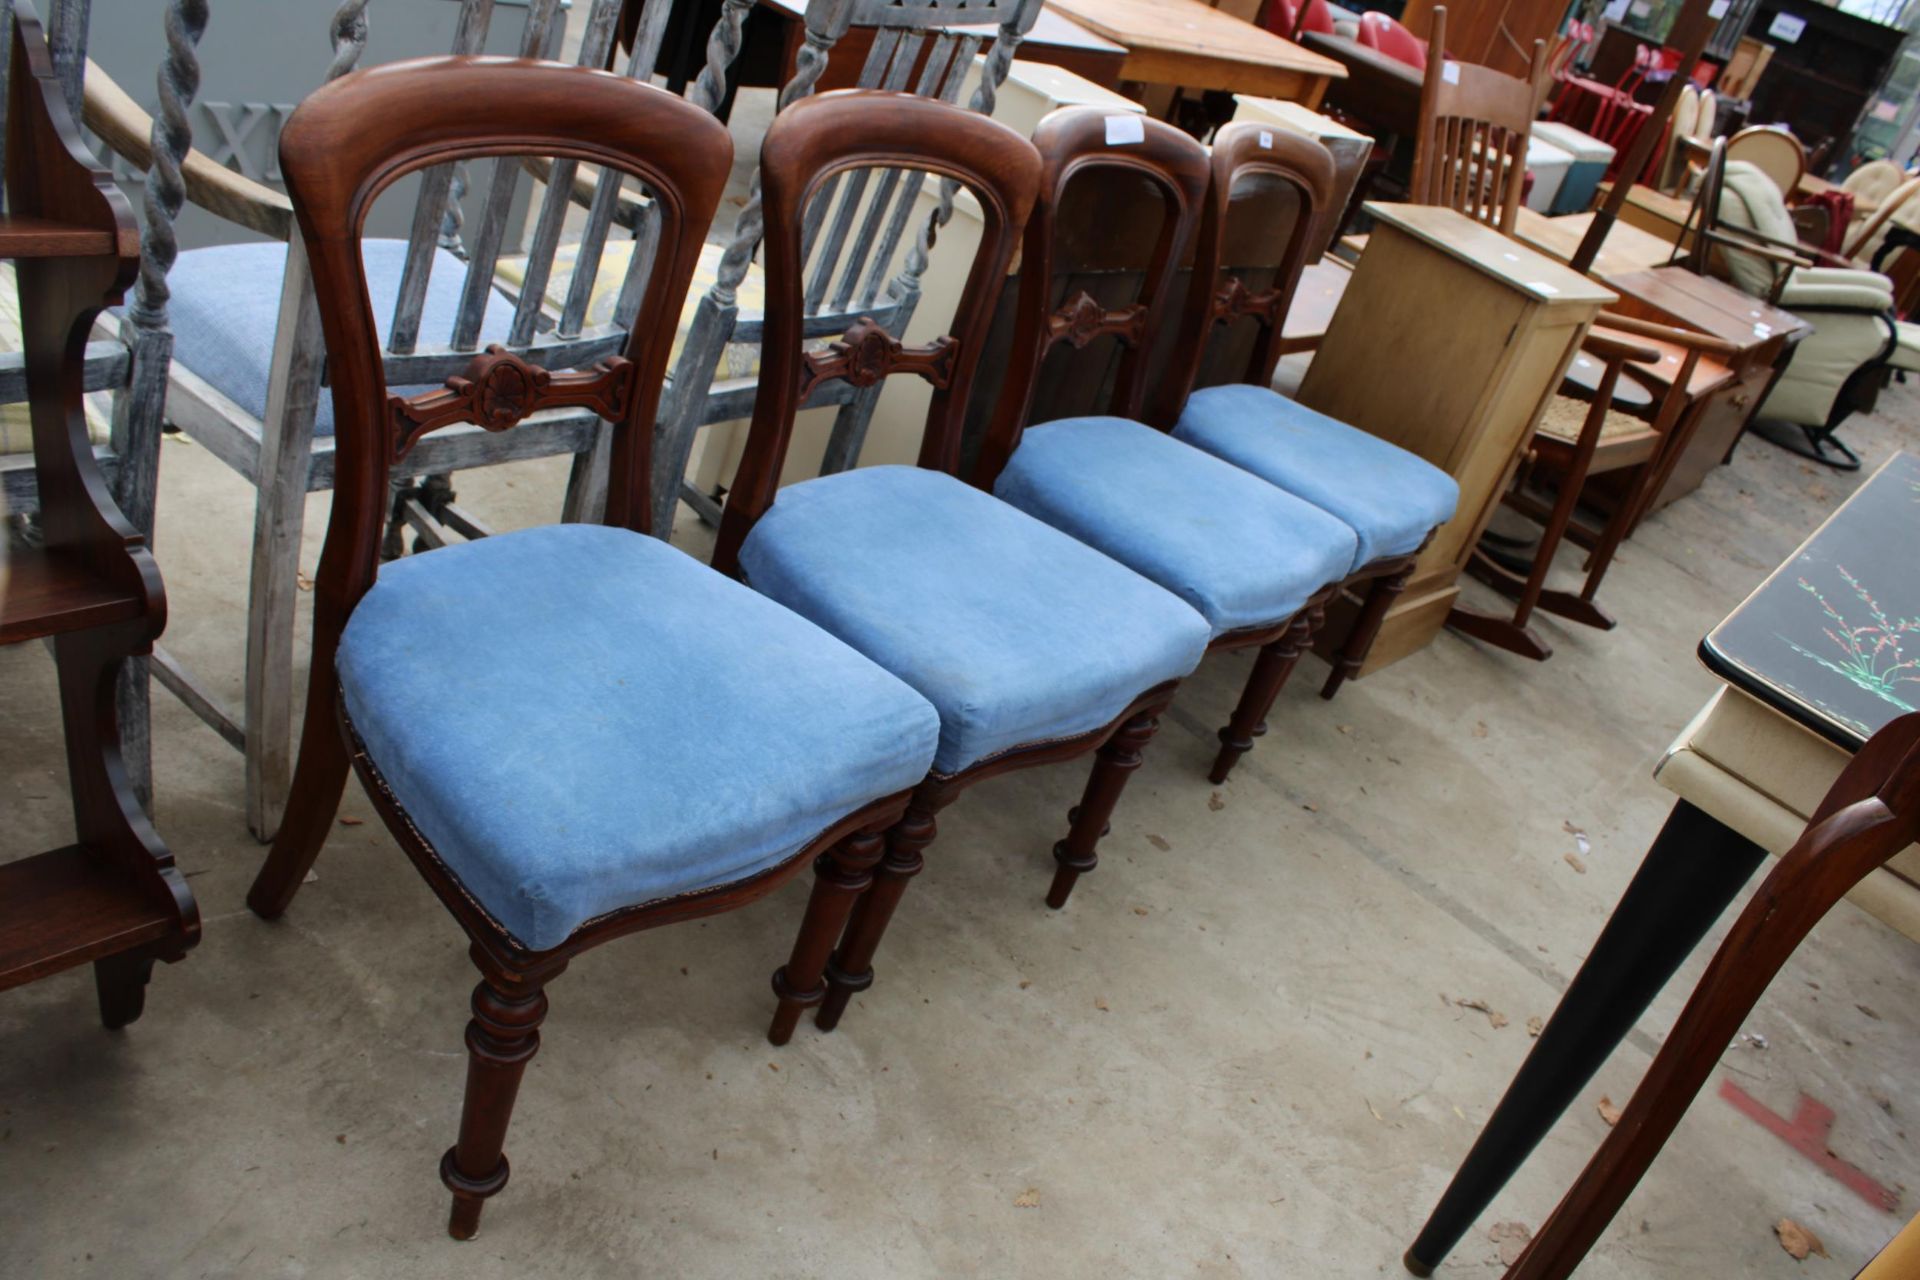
534	713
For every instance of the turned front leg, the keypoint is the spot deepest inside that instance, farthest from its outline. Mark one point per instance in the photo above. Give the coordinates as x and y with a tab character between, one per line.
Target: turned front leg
850	969
501	1039
1275	662
1112	766
841	875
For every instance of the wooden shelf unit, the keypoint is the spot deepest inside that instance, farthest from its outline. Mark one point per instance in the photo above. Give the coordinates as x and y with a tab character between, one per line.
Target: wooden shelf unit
113	898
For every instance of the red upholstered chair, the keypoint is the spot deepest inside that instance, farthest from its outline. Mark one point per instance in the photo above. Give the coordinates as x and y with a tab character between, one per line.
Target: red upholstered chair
1290	18
1381	33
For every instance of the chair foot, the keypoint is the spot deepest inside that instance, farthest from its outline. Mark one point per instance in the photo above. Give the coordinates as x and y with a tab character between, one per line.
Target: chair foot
1113	764
1574	608
1502	633
850	968
1414	1264
121	984
841	875
502	1038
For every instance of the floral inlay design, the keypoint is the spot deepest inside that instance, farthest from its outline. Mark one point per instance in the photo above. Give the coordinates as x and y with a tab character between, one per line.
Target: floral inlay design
1869	653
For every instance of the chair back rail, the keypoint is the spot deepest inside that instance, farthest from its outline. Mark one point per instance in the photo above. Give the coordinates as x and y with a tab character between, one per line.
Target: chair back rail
355	137
1072	144
835	134
1475	123
1216	293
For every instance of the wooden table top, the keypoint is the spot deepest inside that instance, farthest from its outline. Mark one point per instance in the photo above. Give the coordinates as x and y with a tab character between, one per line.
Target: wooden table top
1188	43
1832	638
1485	249
1711	306
1673	209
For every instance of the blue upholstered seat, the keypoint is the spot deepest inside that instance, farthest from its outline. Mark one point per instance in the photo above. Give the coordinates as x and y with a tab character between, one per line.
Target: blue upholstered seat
1014	631
226	306
1390	498
580	719
1236	548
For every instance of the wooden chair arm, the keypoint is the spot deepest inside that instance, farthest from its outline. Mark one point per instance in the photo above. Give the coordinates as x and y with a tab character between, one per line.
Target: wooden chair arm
1760	246
1704	343
127	131
1610	348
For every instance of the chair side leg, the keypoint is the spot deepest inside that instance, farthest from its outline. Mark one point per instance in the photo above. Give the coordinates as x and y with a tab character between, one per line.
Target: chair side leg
1112	766
841	875
850	968
1366	629
1271	668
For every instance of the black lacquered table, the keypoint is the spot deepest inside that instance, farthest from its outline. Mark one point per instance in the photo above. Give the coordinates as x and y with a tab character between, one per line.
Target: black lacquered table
1828	645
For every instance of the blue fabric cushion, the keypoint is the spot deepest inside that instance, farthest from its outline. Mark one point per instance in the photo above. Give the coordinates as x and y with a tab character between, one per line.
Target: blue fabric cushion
1390	498
580	719
1228	543
226	306
1014	631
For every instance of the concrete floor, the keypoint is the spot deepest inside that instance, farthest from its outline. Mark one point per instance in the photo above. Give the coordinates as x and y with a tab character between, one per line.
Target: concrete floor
1239	1052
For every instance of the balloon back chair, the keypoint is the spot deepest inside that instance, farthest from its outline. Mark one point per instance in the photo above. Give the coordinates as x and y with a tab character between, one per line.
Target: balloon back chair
574	732
1258	563
248	372
1228	346
1033	647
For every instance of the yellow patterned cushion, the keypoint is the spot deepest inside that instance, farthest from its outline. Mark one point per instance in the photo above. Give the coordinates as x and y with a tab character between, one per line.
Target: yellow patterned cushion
741	360
16	425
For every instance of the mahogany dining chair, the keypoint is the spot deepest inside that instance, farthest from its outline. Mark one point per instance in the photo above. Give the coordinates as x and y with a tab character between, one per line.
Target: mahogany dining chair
1033	647
1257	562
1393	500
574	732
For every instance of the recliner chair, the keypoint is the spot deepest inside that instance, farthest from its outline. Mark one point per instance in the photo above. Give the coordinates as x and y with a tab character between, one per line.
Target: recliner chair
1746	230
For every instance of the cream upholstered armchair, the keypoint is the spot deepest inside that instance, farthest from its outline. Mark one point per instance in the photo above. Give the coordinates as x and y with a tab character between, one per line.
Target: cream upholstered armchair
1747	232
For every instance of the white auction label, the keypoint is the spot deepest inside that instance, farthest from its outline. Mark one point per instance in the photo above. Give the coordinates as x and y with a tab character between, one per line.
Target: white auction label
1266	139
1124	129
1450	72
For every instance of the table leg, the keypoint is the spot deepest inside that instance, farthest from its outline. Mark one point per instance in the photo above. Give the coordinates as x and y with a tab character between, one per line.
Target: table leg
1691	873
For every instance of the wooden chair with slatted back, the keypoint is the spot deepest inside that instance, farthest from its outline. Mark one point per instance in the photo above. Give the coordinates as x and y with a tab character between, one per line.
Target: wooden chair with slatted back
249	366
1471	155
1474	127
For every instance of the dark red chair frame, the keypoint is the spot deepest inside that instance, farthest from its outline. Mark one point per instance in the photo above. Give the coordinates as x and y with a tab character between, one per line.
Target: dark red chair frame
1216	296
809	143
346	144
